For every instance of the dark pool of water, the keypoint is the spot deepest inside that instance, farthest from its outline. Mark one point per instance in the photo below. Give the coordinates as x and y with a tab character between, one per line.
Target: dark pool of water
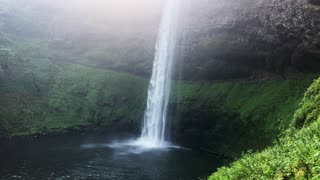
91	157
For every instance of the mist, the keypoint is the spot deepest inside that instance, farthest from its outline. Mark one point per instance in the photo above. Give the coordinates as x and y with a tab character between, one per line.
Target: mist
129	15
159	89
108	34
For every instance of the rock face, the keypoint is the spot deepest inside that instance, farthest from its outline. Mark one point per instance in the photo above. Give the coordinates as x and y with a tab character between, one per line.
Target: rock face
221	39
232	39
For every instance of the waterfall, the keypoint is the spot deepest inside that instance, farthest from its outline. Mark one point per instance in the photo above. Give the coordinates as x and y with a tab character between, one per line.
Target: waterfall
154	127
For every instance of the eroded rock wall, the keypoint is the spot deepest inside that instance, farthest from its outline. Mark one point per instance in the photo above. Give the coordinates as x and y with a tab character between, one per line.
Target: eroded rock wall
233	39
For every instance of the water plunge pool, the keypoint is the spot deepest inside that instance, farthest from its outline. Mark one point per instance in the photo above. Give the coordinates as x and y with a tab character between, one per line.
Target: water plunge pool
92	156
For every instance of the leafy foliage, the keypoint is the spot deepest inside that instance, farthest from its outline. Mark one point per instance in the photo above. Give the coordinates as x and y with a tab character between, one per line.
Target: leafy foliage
309	109
294	156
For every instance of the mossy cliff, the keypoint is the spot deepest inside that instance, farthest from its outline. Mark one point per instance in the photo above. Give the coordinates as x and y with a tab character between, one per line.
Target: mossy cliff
39	96
231	116
295	155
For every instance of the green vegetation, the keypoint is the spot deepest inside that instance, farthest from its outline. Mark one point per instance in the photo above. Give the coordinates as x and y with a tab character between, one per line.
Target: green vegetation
295	156
40	96
309	108
53	80
237	115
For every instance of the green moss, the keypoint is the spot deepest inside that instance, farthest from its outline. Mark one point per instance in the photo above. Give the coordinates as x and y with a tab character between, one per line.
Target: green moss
238	114
294	156
39	96
309	110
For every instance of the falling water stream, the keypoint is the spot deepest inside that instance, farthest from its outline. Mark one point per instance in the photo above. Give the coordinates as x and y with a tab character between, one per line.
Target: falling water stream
90	157
154	127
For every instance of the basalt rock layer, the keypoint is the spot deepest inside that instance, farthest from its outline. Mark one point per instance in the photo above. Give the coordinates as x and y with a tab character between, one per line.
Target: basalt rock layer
233	39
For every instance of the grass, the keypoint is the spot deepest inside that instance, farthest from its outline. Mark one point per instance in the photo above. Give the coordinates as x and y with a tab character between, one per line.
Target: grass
296	155
310	106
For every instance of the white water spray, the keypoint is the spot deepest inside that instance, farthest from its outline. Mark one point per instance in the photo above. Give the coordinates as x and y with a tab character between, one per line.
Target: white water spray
153	132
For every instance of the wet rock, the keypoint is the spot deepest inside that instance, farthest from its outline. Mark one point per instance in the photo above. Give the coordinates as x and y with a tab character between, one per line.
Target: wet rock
16	176
316	2
261	35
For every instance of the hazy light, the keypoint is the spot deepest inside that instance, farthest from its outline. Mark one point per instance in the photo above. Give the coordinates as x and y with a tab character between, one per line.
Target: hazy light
115	9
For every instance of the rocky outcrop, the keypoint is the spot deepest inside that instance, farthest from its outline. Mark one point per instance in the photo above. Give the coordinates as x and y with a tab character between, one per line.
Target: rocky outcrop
220	39
248	38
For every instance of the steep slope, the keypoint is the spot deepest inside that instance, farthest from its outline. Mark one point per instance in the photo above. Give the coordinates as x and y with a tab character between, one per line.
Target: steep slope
294	156
228	117
39	96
